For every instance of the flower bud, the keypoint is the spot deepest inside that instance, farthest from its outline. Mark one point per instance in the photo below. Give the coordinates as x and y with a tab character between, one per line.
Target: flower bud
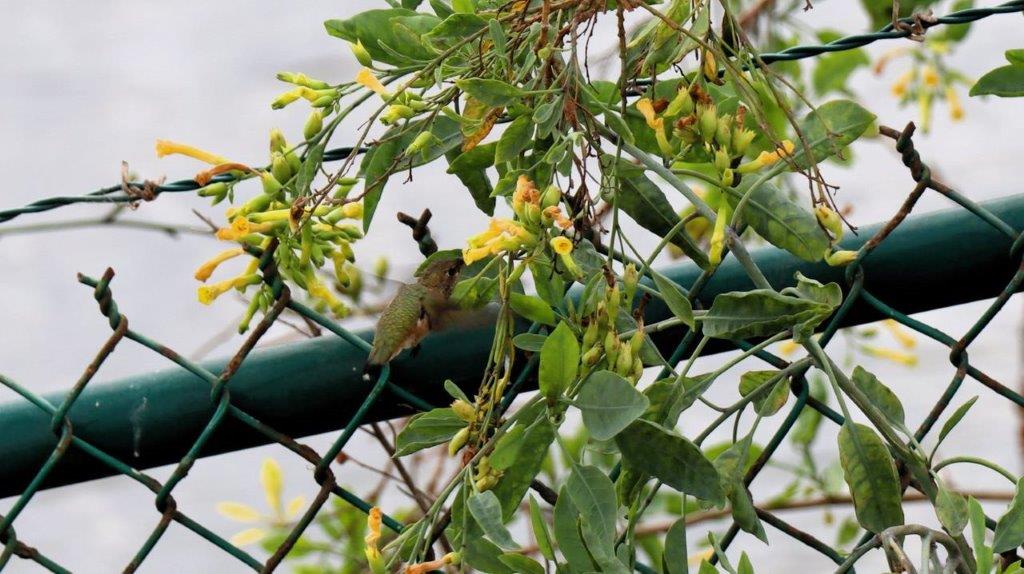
464	410
728	177
277	141
592	356
396	112
841	258
682	104
637	340
294	162
830	221
741	139
314	124
722	159
590	335
723	131
638	368
624	362
709	67
708	123
361	54
630	280
458	441
551	196
279	168
419	143
271	186
217	190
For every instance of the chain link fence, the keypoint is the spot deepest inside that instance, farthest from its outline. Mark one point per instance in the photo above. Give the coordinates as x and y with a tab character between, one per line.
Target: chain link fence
856	289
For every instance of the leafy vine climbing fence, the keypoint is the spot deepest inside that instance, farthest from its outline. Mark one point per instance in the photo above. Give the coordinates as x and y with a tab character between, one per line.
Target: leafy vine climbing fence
67	454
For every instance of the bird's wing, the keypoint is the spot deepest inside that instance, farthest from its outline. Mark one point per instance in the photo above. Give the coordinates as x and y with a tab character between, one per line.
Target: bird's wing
400	324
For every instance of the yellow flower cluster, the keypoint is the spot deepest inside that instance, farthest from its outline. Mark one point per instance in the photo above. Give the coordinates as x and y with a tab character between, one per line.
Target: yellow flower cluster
502	235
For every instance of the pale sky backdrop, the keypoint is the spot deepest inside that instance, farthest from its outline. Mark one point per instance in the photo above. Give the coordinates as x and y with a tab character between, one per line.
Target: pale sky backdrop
87	85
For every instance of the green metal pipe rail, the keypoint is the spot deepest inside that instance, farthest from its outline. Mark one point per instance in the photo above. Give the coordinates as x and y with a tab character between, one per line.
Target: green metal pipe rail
929	262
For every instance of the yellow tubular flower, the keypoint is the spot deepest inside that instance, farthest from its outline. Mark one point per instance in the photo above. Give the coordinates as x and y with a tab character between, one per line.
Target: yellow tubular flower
908	359
717	244
767	158
561	245
207	294
206	269
930	77
373	523
554	213
366	79
899	89
901	335
353	210
646	108
956	109
788	348
424	567
168	147
471	255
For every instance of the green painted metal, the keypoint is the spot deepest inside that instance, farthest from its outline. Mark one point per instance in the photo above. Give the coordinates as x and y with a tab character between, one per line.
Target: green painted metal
317	386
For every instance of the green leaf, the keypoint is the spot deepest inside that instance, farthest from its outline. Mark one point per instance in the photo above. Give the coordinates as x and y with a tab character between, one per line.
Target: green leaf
381	37
549	284
530	342
521	564
485	556
676	559
830	295
674	298
871	475
880	395
307	172
1015	56
982	552
540	530
471	169
455	28
951	508
1005	82
532	308
474	292
528	462
678	463
491	92
559	362
517	137
758	313
567	533
593	495
486	510
955	418
386	156
781	221
507	448
428	429
769	402
707	568
1010	527
645	204
609	404
829	129
731	466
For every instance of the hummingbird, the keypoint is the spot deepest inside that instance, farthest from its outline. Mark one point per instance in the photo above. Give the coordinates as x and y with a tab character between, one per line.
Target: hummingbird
416	309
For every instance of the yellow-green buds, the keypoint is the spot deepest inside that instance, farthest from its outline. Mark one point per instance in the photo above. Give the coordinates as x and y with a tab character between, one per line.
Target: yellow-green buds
723	131
279	167
717	245
302	80
396	112
314	123
590	334
420	143
707	122
682	104
551	196
830	221
270	184
277	141
841	258
630	280
709	67
464	410
592	356
362	56
741	139
722	159
215	190
458	441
